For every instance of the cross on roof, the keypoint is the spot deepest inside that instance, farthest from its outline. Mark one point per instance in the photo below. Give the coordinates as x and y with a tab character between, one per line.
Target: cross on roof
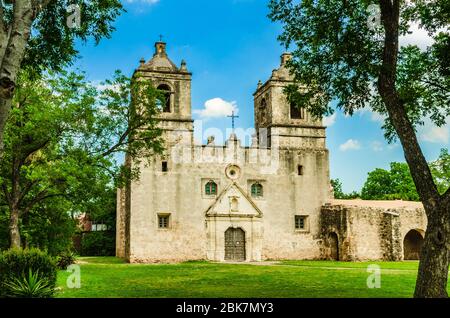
160	38
233	116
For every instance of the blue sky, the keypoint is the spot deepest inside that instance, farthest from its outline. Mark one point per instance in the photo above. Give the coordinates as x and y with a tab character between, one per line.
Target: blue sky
229	45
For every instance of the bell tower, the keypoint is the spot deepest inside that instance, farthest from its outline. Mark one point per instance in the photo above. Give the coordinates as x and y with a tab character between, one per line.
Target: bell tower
175	84
278	122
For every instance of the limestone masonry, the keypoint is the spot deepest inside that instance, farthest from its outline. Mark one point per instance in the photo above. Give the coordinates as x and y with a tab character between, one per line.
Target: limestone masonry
269	201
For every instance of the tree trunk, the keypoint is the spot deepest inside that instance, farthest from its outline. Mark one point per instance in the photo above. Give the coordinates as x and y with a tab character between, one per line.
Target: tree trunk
14	39
434	259
5	106
14	231
433	267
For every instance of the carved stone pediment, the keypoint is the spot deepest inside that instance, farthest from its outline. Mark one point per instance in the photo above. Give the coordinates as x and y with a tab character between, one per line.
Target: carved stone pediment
233	201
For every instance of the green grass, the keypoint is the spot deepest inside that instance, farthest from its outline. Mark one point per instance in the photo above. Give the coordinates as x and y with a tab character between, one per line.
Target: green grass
112	277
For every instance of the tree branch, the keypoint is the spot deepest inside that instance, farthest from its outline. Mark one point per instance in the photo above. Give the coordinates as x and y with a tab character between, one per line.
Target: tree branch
119	143
7	195
420	171
26	190
41	196
437	85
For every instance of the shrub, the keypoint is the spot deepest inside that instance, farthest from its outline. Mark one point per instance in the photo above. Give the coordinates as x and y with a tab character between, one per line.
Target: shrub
16	263
98	244
31	286
65	259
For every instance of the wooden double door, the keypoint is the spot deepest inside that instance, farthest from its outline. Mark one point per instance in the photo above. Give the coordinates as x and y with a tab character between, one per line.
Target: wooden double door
235	245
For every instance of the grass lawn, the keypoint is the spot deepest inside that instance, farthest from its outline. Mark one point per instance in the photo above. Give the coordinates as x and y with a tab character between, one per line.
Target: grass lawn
111	277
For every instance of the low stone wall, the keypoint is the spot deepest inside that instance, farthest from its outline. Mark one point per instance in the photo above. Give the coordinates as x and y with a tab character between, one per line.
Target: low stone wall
356	230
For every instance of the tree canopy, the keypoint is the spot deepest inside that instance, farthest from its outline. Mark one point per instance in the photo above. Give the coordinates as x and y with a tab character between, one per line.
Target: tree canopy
344	52
338	56
63	139
393	184
40	35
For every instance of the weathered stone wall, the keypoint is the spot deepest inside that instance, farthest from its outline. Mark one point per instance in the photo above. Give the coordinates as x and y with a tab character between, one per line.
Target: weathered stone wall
120	224
180	193
370	230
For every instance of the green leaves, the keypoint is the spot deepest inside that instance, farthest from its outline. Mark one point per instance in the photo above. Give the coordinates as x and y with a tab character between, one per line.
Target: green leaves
337	56
27	273
64	139
52	44
393	184
441	171
31	286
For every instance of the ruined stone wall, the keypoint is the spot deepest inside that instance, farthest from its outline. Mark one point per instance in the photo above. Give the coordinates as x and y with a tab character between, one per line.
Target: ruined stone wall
370	230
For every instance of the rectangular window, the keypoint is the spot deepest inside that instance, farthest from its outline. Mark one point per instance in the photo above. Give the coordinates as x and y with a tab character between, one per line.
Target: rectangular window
99	227
163	221
300	170
300	222
297	112
164	166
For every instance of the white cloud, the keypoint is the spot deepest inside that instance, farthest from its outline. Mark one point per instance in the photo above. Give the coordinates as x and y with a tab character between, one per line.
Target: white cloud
377	117
377	146
374	116
217	108
101	86
329	120
434	134
350	144
418	37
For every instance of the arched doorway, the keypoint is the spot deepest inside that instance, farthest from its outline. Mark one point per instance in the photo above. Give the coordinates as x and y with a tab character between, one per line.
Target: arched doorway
235	245
412	245
333	242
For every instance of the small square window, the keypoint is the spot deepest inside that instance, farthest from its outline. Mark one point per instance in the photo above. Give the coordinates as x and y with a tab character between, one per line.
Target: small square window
301	222
257	190
164	166
163	221
300	170
211	188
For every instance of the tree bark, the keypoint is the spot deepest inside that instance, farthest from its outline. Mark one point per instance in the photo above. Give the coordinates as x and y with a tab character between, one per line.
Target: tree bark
434	261
14	203
5	107
14	39
14	232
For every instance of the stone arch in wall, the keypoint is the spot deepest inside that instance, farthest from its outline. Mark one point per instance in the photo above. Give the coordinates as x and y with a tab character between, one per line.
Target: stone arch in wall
165	103
333	240
331	244
412	244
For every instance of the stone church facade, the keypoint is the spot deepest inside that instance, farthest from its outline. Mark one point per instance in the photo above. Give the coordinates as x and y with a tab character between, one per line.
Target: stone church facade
269	201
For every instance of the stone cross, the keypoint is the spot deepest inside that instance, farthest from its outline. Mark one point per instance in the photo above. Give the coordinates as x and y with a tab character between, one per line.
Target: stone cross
233	116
